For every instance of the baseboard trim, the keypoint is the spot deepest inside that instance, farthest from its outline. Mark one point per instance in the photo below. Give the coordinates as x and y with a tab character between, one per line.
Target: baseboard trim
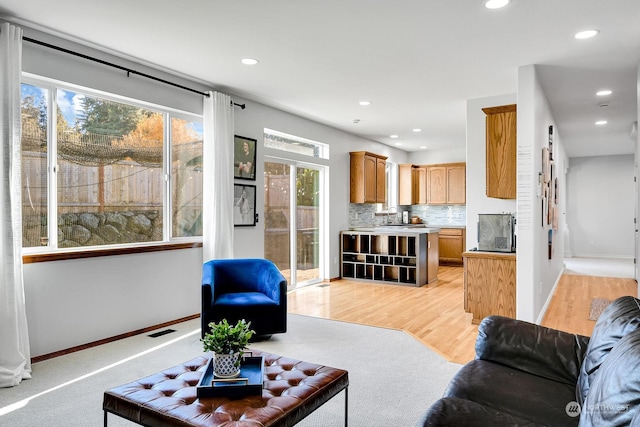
111	339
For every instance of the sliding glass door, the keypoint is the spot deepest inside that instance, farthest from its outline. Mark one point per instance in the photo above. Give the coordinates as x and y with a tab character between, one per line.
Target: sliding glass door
293	220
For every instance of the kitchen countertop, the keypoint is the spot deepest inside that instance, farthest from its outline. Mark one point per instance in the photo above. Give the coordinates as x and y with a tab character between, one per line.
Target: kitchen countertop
397	229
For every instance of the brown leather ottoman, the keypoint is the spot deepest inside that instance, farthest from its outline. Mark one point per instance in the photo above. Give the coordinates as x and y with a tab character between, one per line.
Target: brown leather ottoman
292	389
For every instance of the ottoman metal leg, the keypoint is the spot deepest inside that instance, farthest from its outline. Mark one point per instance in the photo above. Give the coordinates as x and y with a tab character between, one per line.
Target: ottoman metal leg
346	407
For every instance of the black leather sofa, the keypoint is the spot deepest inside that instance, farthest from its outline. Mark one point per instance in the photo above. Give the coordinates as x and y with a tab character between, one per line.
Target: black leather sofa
528	375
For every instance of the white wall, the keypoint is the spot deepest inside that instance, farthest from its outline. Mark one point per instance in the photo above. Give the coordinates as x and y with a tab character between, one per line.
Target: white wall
477	200
600	200
536	274
74	302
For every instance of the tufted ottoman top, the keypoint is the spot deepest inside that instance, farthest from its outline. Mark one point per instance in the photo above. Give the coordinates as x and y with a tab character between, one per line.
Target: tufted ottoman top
292	389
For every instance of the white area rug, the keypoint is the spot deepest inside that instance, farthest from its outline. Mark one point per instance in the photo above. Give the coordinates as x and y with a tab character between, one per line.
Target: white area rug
393	378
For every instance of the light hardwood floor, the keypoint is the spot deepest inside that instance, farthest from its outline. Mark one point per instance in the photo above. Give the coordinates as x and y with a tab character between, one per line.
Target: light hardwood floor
435	315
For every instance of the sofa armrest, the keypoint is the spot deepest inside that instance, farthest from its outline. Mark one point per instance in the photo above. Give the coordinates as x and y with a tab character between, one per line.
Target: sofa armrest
546	352
272	283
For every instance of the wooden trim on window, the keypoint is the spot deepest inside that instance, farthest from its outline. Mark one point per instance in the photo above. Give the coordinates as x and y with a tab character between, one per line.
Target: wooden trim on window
111	339
59	256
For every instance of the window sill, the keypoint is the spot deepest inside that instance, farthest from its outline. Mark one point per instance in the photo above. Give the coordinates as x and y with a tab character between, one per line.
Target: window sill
59	256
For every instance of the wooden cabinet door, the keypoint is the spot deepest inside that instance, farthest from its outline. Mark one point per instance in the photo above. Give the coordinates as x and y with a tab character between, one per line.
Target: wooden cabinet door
405	184
381	180
420	185
451	245
457	185
437	185
501	143
370	179
490	286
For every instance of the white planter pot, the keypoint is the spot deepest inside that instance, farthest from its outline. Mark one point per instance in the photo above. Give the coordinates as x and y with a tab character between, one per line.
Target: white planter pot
224	365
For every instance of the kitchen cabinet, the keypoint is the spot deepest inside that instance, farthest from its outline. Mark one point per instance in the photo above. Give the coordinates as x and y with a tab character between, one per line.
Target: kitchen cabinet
412	184
451	245
501	147
368	177
420	185
446	184
489	284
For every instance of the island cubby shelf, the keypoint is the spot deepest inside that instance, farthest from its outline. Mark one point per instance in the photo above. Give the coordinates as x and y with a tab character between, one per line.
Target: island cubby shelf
384	257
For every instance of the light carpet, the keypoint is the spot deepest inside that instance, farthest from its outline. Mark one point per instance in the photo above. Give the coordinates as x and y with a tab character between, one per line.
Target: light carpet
393	378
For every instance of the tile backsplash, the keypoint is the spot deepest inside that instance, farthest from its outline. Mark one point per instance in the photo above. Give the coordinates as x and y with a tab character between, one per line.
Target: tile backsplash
363	215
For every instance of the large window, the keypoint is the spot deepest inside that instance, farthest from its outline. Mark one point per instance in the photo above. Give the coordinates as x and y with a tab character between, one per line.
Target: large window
98	170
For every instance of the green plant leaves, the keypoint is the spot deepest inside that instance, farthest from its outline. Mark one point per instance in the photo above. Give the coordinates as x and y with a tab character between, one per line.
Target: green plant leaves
226	339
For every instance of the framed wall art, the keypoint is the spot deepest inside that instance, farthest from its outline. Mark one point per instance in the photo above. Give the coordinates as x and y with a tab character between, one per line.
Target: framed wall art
244	205
244	158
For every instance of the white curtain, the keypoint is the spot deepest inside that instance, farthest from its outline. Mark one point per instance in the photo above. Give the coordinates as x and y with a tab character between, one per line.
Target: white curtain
217	239
15	356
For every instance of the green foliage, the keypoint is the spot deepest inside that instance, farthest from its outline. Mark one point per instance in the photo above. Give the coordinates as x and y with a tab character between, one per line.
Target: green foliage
307	187
226	339
104	117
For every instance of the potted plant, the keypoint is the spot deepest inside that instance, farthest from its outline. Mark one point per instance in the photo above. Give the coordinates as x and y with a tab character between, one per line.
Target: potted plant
226	342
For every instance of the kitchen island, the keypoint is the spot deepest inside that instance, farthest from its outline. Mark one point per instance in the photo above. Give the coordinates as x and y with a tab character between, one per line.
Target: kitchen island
390	254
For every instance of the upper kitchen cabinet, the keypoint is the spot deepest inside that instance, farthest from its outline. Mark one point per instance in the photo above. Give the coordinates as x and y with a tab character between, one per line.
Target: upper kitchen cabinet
501	151
368	177
412	184
446	184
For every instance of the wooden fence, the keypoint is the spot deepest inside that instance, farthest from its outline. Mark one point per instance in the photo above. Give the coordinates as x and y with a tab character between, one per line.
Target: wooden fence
121	186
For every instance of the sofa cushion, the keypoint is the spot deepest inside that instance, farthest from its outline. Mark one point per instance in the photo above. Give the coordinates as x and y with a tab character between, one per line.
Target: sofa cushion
511	391
620	318
614	397
452	411
243	298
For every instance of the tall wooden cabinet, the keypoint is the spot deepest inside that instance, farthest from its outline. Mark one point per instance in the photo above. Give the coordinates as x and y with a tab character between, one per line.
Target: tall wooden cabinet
446	184
501	151
368	177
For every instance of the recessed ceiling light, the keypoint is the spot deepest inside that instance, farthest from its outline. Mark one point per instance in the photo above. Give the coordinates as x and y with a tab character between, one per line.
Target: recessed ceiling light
423	147
587	34
249	61
398	144
365	103
601	122
393	136
495	4
604	92
417	130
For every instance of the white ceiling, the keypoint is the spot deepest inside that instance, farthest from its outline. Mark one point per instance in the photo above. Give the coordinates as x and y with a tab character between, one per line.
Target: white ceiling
417	61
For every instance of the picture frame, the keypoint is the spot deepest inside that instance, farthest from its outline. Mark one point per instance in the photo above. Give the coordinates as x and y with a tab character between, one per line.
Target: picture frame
244	158
244	205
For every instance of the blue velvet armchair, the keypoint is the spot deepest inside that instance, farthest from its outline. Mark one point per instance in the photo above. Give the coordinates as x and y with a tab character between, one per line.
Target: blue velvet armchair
252	289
